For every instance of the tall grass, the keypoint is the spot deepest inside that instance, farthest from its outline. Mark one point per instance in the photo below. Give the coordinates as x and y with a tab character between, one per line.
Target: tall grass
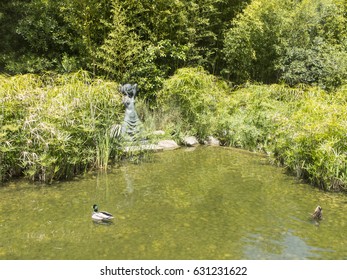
51	126
313	140
303	129
56	126
195	101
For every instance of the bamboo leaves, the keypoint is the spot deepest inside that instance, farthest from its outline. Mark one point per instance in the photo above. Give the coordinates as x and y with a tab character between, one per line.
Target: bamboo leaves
51	131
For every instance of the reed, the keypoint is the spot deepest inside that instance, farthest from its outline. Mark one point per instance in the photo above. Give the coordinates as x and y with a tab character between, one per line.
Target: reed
300	128
53	126
195	100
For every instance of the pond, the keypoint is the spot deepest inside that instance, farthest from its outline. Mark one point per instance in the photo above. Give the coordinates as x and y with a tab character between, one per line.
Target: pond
203	203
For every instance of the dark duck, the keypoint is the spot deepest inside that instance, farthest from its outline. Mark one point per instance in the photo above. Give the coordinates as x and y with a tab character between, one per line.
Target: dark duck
318	213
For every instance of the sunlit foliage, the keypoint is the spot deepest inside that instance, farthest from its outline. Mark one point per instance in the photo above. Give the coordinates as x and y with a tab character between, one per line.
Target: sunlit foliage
53	127
292	41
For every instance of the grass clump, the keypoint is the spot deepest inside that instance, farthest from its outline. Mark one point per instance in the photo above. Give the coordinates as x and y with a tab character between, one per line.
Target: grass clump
55	126
313	140
195	102
303	129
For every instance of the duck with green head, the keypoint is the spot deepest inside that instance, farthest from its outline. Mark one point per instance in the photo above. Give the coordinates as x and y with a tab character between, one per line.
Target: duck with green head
101	215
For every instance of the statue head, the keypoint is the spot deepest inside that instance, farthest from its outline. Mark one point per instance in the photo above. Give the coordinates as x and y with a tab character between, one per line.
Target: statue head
128	89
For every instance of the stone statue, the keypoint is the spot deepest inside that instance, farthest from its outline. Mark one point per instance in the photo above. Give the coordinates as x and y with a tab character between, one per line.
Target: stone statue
131	121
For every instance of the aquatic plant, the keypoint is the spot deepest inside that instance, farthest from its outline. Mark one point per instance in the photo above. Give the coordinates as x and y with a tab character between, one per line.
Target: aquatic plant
303	129
55	126
313	141
197	97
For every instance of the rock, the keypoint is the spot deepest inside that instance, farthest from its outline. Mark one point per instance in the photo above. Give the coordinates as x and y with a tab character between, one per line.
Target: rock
168	145
190	141
211	141
146	147
158	132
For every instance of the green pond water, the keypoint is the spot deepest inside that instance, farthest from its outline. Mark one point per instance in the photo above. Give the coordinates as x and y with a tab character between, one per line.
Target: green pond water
203	203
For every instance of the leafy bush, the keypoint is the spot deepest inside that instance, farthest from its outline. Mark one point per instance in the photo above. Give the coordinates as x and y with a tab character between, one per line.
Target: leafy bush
52	127
292	41
199	98
312	142
303	129
254	116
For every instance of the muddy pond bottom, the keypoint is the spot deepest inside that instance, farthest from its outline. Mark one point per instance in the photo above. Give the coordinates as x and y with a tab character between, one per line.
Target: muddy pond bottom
188	204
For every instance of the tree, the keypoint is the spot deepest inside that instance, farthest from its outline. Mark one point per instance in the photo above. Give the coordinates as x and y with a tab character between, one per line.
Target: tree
250	44
173	34
11	44
315	51
52	35
66	35
87	24
294	41
121	48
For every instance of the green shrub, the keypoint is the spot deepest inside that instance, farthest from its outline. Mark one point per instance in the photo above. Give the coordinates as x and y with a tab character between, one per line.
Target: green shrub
255	115
53	127
291	41
198	97
303	129
312	142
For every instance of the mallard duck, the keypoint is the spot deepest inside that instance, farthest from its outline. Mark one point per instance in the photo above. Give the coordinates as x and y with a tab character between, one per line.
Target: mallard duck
318	213
100	215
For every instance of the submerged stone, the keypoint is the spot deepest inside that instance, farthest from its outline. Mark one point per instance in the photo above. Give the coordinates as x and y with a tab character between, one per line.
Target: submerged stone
158	132
144	147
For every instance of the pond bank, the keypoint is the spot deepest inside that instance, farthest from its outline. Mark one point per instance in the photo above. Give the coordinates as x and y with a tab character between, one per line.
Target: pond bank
54	127
303	129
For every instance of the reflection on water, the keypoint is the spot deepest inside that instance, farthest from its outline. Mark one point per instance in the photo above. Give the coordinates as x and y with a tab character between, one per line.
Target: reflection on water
207	203
288	247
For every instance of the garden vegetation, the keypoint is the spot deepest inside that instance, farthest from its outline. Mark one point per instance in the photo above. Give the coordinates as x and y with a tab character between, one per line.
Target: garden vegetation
262	75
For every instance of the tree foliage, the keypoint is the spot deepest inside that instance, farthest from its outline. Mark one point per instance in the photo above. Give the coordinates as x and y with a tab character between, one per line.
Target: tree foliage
128	39
199	97
51	35
267	41
294	41
121	49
